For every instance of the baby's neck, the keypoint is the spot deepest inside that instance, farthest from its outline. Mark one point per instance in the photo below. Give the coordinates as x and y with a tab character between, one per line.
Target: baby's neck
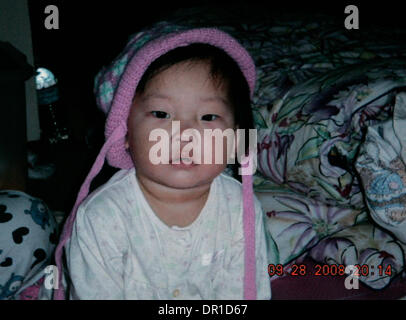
178	207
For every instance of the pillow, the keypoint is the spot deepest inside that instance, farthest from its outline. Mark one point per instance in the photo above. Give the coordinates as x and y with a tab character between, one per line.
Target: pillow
382	170
312	135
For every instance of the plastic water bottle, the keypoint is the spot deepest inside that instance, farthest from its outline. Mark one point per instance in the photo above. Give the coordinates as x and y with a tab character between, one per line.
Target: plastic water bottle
51	116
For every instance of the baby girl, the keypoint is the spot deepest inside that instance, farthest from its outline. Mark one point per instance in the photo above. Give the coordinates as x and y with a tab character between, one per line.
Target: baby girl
177	230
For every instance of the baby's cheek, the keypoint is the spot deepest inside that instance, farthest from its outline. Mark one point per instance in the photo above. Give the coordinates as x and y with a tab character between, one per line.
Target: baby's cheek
139	146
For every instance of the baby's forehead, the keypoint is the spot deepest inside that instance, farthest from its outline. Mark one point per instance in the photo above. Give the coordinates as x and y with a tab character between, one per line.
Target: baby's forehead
202	70
216	99
175	86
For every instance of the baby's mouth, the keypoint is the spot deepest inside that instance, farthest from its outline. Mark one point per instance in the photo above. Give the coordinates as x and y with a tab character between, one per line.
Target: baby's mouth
183	163
186	161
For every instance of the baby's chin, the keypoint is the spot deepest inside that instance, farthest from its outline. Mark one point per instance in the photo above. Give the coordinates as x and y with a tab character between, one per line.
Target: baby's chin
180	177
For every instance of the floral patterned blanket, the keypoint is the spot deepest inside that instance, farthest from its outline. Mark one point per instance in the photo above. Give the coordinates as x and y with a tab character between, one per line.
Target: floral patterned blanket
320	87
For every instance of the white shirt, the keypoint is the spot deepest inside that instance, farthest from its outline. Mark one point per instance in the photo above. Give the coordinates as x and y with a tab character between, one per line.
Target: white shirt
120	249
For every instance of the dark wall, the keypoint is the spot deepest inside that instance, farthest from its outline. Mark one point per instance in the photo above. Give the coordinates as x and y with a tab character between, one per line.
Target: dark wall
92	33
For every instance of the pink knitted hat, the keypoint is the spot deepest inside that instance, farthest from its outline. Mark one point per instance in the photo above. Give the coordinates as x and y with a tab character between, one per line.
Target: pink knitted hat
115	88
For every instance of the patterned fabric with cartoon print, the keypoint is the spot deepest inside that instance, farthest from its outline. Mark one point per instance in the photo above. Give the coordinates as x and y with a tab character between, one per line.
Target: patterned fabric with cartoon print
381	165
28	235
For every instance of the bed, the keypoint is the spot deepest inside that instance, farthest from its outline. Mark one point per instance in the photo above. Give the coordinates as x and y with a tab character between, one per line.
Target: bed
330	110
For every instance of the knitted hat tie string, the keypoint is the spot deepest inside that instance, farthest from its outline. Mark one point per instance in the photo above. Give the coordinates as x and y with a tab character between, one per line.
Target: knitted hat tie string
119	133
250	289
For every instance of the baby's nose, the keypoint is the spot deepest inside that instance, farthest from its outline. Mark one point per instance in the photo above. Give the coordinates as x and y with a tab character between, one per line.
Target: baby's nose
188	124
185	130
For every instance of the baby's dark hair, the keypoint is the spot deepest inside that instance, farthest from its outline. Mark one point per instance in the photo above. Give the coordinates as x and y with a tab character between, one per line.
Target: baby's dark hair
223	71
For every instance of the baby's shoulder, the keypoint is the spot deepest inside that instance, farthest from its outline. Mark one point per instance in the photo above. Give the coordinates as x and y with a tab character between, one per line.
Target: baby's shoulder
230	186
109	197
232	190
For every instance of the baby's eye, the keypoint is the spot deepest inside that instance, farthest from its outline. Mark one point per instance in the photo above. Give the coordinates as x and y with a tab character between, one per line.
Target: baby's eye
209	117
160	114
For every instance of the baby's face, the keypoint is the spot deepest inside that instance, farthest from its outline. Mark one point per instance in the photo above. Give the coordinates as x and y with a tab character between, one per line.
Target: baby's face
183	93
